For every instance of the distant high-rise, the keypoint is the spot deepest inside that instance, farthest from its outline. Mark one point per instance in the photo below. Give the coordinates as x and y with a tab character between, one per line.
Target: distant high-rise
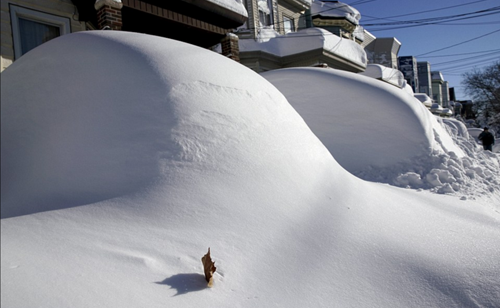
424	78
437	87
452	94
408	66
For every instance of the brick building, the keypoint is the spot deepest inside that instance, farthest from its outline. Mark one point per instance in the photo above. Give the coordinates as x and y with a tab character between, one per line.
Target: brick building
29	23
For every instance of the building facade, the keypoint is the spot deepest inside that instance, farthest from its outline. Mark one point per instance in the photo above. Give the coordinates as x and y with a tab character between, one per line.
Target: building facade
437	87
29	23
291	33
383	51
408	66
424	78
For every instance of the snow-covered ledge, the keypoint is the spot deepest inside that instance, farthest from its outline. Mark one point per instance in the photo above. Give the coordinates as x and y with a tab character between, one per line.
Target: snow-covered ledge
116	4
307	40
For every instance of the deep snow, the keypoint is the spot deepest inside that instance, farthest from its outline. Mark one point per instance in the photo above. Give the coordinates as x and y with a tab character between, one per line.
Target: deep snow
129	155
381	133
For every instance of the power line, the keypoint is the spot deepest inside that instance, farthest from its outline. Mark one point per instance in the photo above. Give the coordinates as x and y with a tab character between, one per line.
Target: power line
467	41
437	20
483	62
466	59
463	54
470	23
416	13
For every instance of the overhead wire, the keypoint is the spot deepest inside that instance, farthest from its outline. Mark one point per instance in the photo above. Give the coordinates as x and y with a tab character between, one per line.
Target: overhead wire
492	9
461	43
442	20
483	62
421	12
466	59
462	54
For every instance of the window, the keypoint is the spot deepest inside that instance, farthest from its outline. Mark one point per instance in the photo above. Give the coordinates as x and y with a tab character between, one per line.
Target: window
32	28
288	25
265	13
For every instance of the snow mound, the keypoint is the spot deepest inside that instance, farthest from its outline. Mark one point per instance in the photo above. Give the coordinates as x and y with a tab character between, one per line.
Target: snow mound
177	149
381	133
72	142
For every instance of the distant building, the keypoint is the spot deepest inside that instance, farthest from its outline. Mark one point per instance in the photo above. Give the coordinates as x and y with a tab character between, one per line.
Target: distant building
291	33
383	51
338	18
466	110
446	94
424	78
408	66
452	94
437	87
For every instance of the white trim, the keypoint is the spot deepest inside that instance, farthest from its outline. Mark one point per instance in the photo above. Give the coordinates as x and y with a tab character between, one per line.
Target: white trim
63	23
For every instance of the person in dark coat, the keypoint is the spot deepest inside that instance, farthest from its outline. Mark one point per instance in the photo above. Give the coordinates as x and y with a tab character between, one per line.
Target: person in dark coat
487	139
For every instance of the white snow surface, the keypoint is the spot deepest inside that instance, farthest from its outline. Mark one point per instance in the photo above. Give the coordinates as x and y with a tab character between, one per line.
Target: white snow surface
387	74
382	133
305	40
125	156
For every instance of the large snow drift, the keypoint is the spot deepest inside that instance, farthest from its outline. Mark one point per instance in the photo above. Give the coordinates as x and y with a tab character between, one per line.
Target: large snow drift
170	149
381	133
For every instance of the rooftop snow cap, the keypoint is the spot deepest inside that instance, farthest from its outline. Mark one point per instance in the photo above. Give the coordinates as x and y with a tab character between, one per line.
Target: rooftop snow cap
335	9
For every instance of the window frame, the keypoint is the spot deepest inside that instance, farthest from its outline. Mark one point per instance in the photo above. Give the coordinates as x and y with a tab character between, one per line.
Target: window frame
16	12
269	18
291	21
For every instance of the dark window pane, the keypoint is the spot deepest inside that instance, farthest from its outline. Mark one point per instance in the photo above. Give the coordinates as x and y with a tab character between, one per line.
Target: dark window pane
34	33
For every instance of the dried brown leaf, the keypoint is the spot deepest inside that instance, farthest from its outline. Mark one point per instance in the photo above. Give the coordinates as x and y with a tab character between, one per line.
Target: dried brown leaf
208	267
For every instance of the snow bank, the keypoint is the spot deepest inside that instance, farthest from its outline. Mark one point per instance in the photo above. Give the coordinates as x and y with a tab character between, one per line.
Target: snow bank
177	149
381	133
88	140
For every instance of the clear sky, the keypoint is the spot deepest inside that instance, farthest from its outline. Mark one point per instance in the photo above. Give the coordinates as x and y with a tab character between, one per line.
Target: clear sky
455	36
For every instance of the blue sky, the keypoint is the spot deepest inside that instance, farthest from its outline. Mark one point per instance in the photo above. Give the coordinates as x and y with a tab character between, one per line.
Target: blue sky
453	47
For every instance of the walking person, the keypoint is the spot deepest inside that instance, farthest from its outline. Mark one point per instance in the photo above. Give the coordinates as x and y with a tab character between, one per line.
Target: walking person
487	139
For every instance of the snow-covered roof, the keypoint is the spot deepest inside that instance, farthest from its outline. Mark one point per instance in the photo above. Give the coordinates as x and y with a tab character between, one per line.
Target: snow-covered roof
335	9
387	74
233	5
112	3
437	75
306	40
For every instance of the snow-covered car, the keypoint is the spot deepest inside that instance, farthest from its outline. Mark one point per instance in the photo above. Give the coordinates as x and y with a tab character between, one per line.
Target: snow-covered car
446	112
424	99
436	109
